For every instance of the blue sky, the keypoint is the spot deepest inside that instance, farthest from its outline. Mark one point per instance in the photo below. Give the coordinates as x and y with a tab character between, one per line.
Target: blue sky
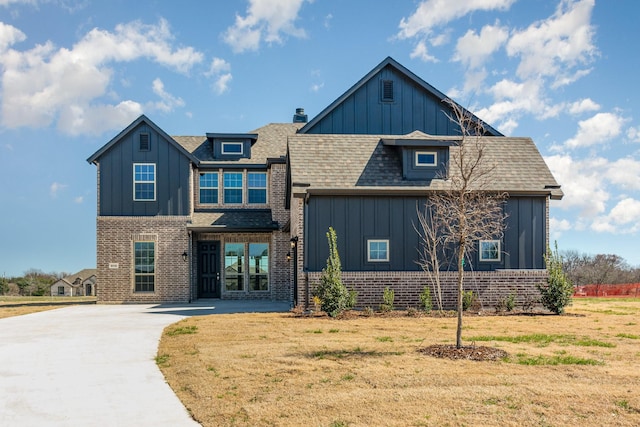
73	73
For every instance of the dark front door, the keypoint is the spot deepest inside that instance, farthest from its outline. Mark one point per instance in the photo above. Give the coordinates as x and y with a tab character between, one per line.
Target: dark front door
208	269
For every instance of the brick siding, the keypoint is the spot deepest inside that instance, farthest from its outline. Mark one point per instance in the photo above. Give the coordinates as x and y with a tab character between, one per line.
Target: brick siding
489	286
115	237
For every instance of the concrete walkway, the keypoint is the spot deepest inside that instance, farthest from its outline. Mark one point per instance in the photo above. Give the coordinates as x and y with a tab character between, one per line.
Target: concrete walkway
93	365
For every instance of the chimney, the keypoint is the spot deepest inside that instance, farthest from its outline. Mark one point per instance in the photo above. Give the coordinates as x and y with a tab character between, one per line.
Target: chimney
299	116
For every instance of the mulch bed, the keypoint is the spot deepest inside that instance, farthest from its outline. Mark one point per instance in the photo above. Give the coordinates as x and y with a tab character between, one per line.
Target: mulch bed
476	353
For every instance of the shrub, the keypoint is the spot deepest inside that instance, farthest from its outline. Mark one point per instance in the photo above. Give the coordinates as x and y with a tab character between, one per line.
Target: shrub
510	301
556	294
468	298
334	295
425	300
388	297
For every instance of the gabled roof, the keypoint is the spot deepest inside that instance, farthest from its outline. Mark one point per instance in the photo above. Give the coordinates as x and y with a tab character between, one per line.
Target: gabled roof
142	119
388	62
351	164
82	275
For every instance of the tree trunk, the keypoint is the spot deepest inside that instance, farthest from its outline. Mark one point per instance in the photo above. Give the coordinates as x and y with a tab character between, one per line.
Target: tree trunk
460	296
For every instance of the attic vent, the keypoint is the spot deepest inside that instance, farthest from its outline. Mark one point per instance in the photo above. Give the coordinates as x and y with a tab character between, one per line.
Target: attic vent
386	91
144	142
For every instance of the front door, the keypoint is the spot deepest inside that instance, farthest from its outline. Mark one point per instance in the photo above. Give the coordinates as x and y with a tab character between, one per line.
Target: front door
209	269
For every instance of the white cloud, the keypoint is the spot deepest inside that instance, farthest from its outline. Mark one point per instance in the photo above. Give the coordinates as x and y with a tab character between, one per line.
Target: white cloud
47	84
557	227
623	218
421	52
316	87
266	20
625	173
10	35
167	101
220	70
78	200
433	13
55	188
633	134
553	47
473	49
598	129
582	183
583	106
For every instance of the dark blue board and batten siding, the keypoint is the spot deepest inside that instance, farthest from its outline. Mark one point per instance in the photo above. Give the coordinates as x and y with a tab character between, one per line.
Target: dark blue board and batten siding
359	218
116	176
364	111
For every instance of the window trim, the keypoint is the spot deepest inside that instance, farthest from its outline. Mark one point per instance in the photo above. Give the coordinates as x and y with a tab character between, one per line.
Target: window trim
241	188
481	252
223	144
216	188
246	274
135	181
265	188
417	163
135	274
369	242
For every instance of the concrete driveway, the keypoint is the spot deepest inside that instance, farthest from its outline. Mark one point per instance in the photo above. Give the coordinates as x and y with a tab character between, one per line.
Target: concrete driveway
93	365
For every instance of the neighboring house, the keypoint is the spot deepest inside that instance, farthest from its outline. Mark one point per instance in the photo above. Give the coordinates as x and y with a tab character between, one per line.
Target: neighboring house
83	283
244	216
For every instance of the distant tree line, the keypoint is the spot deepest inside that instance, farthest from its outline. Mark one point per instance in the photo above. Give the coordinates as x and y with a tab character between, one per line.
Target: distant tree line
602	269
34	282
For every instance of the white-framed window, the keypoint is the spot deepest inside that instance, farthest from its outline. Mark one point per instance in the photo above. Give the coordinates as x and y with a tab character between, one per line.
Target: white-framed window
377	250
60	290
489	250
257	187
144	262
232	148
209	187
426	158
233	188
144	182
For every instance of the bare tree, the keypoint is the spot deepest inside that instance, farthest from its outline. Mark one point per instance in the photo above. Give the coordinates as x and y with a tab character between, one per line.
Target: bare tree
469	209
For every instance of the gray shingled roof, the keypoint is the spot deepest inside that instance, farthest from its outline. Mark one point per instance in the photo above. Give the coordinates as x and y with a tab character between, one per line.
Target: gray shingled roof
363	162
234	220
271	143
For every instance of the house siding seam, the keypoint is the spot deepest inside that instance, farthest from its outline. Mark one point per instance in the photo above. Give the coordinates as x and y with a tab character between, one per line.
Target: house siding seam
489	286
115	236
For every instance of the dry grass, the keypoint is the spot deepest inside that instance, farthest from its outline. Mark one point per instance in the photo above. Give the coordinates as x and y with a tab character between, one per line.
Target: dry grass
278	370
16	306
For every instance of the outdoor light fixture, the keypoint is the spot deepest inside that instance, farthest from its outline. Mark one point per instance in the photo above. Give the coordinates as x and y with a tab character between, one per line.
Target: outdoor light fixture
185	256
294	241
288	256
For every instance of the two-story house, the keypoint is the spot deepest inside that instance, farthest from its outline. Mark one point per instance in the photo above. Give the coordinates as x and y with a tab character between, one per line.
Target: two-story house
244	216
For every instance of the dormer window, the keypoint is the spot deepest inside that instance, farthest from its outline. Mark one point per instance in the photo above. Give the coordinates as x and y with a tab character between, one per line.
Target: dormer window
232	148
426	158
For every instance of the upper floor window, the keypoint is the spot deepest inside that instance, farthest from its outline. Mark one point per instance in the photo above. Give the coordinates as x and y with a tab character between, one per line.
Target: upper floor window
233	187
209	187
257	187
377	250
144	181
489	250
233	148
426	158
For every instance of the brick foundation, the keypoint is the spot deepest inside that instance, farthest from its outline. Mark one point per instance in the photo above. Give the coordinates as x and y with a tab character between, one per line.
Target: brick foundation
490	286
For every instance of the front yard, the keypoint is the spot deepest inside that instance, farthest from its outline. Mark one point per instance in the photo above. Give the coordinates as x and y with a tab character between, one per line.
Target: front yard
280	370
